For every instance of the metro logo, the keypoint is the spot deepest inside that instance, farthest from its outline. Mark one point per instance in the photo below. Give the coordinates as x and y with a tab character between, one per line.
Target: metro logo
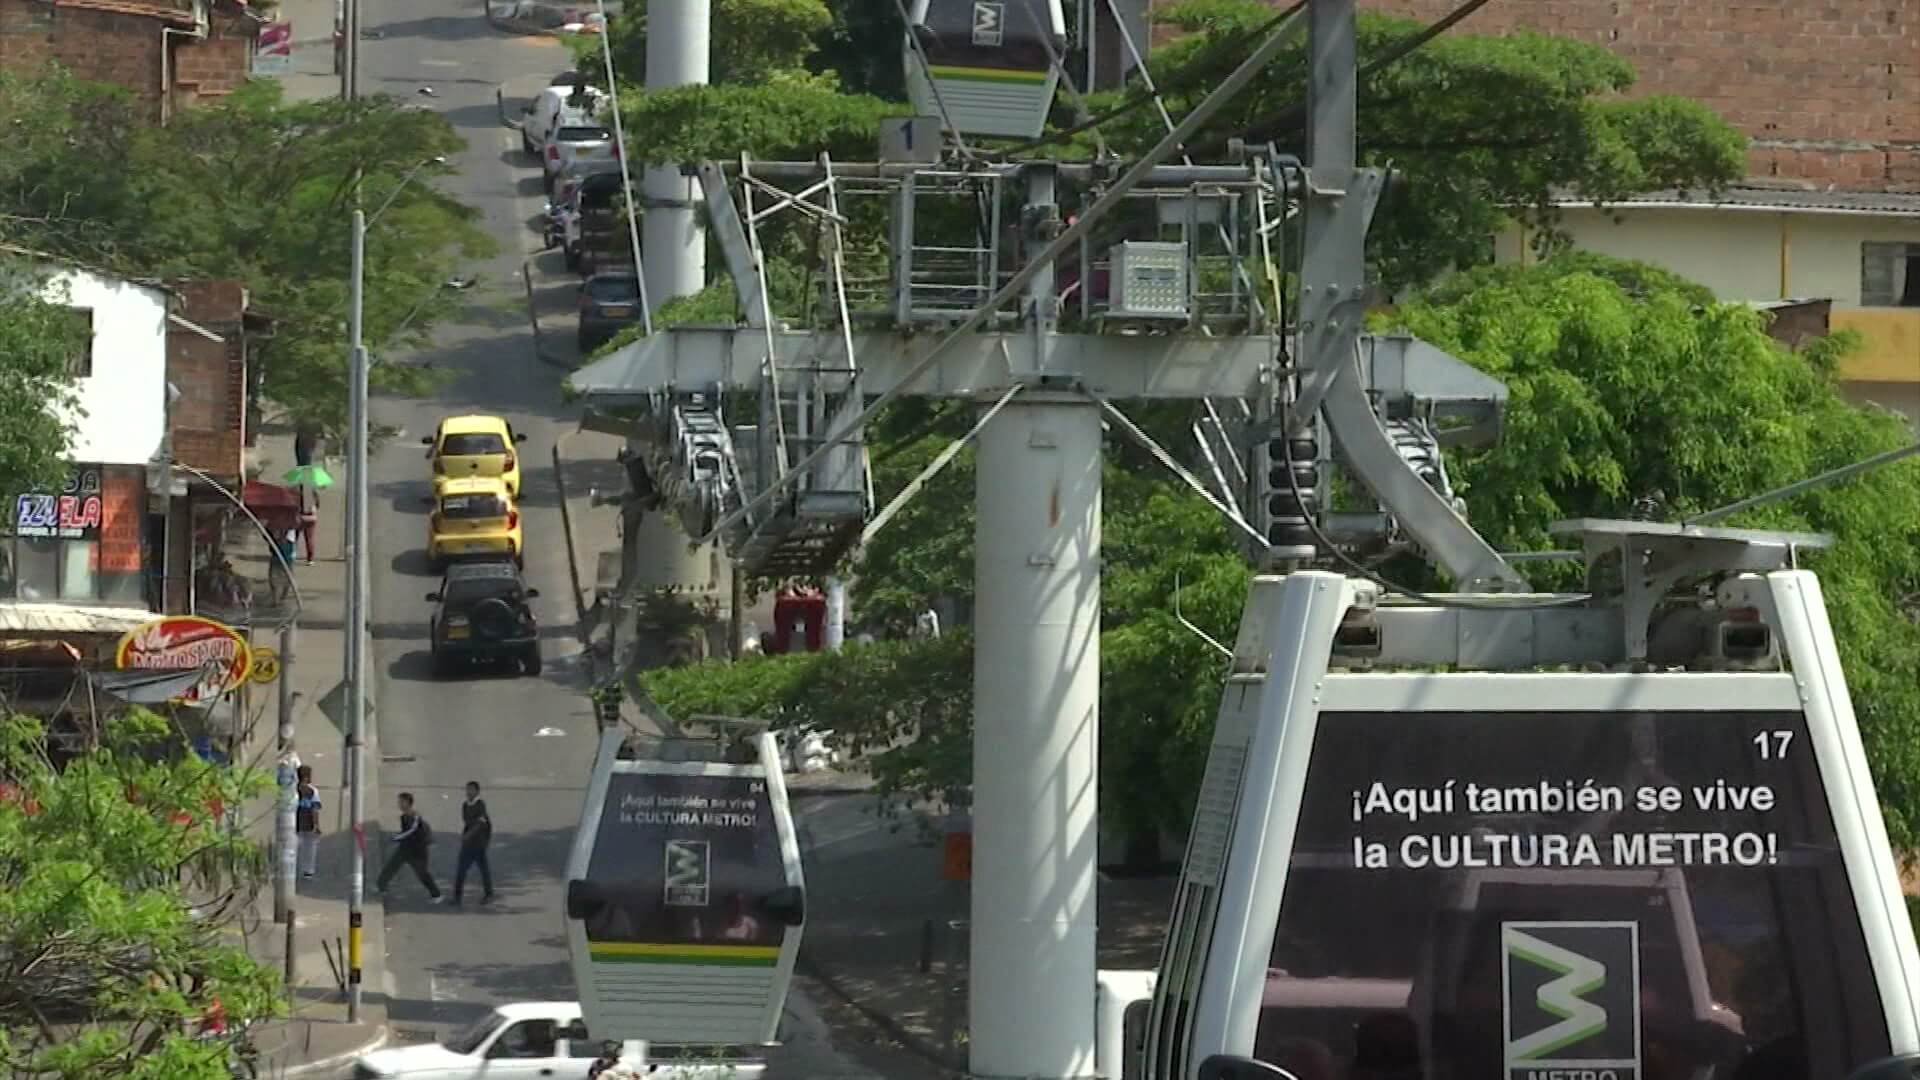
1571	993
689	870
988	20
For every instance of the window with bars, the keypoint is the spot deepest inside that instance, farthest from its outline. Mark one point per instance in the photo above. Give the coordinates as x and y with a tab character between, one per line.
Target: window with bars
1889	274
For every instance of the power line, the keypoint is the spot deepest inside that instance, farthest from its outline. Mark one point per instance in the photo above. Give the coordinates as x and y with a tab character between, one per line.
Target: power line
1200	72
1294	111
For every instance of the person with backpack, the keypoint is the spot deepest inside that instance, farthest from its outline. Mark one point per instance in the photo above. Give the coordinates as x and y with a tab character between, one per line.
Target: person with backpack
410	849
306	819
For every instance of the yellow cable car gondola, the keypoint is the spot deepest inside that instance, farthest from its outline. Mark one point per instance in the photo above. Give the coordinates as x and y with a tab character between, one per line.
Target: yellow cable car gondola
988	64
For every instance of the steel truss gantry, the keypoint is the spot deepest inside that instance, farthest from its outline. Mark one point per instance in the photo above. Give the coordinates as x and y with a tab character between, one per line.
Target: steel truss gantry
961	316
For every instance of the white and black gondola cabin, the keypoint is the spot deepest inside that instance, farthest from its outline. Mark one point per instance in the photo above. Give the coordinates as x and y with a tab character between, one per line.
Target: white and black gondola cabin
989	63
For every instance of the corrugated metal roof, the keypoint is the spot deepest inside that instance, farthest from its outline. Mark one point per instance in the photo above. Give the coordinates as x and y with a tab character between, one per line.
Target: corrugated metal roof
30	618
1888	203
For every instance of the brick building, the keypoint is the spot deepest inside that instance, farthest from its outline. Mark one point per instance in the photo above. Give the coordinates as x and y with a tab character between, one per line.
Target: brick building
211	342
1828	93
170	54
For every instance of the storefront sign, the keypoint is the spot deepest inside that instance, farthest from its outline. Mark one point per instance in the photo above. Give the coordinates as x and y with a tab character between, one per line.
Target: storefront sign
73	514
273	50
185	642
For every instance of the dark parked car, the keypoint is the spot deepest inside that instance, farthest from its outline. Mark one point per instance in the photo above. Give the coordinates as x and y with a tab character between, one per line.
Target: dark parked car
608	302
482	614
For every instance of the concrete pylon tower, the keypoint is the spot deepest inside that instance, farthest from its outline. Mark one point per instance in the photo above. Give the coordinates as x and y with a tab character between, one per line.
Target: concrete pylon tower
672	242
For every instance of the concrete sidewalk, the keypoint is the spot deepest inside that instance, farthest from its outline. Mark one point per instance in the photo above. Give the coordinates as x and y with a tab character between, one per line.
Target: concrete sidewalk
316	1039
310	76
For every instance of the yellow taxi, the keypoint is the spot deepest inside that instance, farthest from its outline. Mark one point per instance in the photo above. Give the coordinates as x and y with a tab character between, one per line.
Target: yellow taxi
473	517
473	446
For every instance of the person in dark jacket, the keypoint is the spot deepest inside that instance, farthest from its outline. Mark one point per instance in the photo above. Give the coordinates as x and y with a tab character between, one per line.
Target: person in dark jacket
476	832
410	849
306	819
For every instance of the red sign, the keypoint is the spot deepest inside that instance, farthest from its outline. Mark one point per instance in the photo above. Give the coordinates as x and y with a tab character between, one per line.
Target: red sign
957	861
187	642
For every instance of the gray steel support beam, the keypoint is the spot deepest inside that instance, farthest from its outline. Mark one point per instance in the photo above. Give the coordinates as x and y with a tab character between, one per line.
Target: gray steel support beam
1159	175
1113	366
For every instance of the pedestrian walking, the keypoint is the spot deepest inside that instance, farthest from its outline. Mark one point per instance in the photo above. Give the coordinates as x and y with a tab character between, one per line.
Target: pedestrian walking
410	849
476	832
309	518
303	442
306	819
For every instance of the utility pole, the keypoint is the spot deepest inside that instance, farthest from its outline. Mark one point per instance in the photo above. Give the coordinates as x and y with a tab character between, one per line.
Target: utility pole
675	248
356	609
284	838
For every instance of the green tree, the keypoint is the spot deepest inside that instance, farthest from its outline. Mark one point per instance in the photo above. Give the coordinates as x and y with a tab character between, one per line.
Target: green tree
259	190
120	880
752	41
865	49
1624	387
1479	129
38	341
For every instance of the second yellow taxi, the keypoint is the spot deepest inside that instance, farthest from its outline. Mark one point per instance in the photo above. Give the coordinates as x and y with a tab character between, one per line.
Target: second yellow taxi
473	517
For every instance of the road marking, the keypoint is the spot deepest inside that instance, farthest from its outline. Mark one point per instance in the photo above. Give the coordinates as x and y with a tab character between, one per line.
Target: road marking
440	63
548	733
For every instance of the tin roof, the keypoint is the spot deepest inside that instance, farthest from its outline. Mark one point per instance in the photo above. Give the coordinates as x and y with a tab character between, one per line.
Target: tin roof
1875	203
36	618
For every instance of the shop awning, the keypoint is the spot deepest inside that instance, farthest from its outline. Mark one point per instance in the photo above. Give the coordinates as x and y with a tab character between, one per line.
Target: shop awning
35	618
263	497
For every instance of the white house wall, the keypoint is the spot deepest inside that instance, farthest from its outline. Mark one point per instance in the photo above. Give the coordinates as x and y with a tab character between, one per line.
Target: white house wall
1736	253
123	404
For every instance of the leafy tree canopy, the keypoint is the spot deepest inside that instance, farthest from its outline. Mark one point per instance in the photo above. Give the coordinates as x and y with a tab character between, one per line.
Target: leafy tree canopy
1477	127
38	340
257	190
789	120
752	41
1624	388
119	880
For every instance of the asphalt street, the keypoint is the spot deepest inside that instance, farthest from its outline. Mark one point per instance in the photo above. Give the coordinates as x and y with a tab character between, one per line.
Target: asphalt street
528	741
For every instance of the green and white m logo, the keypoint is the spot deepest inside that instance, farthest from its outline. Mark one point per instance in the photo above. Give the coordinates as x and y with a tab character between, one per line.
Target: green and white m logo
1572	997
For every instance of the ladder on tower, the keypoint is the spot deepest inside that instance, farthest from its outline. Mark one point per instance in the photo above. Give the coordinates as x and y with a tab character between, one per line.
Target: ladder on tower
807	529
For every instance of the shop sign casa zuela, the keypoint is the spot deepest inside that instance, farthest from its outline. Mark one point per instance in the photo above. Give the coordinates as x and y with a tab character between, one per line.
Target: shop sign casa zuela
186	643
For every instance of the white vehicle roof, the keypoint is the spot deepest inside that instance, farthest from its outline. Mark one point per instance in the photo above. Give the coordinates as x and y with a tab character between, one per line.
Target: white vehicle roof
539	1010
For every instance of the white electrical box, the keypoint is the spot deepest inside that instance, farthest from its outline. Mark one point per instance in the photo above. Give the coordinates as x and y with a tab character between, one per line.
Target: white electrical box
1148	280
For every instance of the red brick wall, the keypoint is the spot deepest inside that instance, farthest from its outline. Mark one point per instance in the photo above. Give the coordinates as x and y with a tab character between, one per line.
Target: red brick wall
102	46
213	68
1829	92
207	419
124	49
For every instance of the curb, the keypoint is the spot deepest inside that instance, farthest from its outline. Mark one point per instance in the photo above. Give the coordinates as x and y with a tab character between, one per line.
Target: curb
810	966
337	1061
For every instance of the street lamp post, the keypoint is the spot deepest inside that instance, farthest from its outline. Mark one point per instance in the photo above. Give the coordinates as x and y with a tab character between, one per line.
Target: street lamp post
357	576
356	617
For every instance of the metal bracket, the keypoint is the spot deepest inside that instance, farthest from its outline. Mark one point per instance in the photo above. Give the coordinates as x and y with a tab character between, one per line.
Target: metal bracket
1653	557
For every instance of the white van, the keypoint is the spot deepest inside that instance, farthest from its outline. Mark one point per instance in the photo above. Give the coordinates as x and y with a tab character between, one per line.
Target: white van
544	116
